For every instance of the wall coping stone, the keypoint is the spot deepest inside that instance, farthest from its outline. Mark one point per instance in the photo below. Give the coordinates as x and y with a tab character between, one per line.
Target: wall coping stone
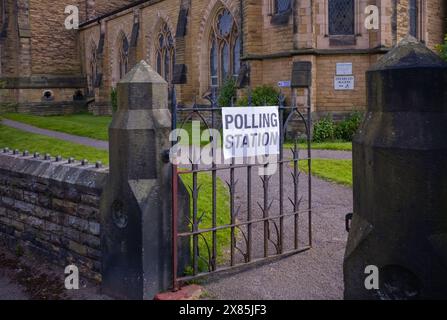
87	176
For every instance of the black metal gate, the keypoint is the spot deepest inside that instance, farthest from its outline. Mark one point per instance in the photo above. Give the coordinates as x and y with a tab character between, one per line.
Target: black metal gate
268	218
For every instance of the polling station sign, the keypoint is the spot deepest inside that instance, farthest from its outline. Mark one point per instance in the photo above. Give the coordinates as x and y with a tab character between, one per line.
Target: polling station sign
250	131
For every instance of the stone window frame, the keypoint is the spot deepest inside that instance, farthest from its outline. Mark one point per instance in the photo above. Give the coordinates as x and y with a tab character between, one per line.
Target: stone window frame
164	49
279	18
123	55
343	40
92	66
218	41
417	9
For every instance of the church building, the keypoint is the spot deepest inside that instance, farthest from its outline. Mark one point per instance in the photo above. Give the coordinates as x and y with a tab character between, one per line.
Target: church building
196	45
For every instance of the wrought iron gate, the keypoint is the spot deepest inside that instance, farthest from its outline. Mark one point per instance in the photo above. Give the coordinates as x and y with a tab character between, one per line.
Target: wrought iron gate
278	225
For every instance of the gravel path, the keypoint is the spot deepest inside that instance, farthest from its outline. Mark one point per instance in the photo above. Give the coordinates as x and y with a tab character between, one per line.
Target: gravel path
103	145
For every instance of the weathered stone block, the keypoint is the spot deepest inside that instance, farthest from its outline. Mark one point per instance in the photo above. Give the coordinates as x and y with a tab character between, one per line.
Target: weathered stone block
94	228
7	202
90	240
64	206
30	197
76	223
91	200
24	207
87	211
77	247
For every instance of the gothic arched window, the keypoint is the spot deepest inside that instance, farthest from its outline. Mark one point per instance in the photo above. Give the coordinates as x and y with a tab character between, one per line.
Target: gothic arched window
124	57
165	53
341	17
282	6
225	48
414	18
92	68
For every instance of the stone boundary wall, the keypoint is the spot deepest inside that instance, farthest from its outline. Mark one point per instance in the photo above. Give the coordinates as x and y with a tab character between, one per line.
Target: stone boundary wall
51	209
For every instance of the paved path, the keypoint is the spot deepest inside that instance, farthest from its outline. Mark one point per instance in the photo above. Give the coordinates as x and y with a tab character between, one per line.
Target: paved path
104	145
315	274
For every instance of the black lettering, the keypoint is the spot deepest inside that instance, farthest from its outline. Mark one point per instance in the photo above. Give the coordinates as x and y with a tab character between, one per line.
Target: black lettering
245	142
228	119
239	122
254	122
229	142
266	139
274	120
265	120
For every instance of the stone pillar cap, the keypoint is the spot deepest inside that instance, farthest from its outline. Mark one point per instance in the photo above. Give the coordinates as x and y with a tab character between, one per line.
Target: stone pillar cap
142	73
409	53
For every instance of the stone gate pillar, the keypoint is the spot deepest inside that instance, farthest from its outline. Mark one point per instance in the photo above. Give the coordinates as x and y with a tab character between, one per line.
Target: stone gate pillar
400	180
136	205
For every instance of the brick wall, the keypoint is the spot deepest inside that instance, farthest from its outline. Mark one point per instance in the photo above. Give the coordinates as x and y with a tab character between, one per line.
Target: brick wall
54	48
52	210
436	22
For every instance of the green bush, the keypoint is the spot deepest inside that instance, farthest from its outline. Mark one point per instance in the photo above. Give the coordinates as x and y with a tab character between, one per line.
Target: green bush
227	93
345	130
114	99
442	48
261	96
242	102
324	130
327	130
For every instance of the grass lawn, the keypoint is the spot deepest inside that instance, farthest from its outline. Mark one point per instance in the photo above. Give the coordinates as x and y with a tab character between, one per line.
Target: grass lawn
84	124
17	139
330	145
338	171
205	207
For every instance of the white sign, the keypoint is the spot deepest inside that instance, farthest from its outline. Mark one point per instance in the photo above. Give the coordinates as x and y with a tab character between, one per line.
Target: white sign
250	131
284	84
344	69
344	83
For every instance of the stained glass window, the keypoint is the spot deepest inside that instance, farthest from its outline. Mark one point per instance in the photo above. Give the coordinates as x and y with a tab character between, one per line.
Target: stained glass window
281	6
124	57
225	48
165	53
341	17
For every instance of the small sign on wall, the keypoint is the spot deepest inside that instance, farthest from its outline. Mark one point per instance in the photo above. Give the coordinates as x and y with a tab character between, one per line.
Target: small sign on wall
344	69
344	83
284	84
